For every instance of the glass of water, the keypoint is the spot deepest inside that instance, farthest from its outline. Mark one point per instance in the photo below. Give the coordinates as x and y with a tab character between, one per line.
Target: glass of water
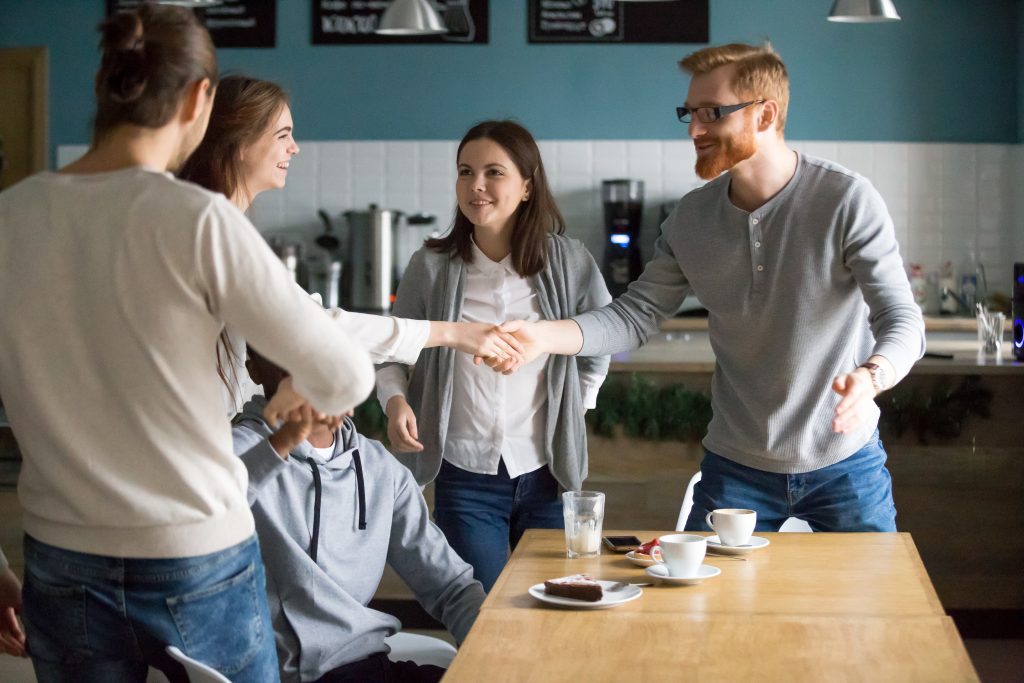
584	514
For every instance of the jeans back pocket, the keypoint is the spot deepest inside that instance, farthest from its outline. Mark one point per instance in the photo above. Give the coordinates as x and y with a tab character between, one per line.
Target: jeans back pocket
222	625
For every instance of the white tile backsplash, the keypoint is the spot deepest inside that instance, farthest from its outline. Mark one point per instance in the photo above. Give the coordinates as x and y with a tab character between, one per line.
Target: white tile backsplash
944	198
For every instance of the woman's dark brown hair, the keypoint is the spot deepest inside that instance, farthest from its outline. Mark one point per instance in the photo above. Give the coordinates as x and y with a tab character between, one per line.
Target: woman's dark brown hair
243	109
150	56
534	218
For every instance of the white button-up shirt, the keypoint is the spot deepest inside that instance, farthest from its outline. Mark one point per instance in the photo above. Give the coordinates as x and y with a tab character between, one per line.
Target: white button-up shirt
496	416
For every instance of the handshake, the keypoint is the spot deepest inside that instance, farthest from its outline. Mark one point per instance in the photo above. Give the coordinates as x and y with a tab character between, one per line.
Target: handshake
506	347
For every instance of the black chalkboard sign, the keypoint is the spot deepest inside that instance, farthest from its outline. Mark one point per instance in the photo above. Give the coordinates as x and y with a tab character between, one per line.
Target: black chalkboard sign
609	21
353	22
233	23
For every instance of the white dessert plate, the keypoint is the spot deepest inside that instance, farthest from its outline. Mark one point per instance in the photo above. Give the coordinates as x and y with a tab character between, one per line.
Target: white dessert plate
639	561
705	571
715	546
611	598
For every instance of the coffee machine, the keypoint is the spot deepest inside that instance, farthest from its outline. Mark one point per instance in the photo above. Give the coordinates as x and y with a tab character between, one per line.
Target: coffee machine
623	212
1017	311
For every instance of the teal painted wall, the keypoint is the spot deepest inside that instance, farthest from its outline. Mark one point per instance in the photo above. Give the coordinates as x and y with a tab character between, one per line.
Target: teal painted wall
1020	70
951	71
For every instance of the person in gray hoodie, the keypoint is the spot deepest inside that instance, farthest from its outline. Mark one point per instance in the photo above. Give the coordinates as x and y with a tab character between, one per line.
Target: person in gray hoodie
331	508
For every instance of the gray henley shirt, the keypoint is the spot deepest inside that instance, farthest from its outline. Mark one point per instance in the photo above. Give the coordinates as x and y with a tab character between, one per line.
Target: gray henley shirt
802	289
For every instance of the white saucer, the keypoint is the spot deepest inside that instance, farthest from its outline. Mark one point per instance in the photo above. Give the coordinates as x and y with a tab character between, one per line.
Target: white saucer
715	546
639	561
705	571
608	599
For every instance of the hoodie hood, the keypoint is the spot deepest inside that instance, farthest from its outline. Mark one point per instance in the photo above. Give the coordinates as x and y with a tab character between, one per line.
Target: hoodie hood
345	442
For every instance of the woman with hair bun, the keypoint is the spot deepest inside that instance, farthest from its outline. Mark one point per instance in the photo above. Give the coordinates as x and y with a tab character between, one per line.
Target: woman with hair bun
118	279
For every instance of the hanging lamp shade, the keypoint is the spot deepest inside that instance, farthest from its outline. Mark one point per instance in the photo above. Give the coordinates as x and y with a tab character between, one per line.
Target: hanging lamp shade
191	4
863	11
410	18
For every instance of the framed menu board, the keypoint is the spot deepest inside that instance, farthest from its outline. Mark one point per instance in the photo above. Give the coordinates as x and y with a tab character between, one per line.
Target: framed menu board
609	21
353	22
233	23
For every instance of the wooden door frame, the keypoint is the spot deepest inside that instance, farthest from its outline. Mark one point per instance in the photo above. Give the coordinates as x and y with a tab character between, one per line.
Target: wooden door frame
36	59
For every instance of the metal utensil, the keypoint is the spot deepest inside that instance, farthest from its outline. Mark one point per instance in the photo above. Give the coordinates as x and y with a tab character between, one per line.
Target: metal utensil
622	585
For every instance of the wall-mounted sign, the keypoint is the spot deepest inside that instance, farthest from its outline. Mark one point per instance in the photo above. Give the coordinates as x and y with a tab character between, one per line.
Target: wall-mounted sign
233	23
350	22
609	21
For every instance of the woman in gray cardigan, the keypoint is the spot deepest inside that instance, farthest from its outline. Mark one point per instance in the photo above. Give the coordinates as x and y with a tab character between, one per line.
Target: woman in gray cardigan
499	447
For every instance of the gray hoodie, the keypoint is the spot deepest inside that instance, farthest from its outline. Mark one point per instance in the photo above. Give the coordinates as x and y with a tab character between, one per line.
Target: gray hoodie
318	607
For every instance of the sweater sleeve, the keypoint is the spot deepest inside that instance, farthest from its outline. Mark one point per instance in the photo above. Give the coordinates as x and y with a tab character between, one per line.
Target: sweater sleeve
250	290
387	338
420	554
260	459
410	303
871	253
593	295
630	320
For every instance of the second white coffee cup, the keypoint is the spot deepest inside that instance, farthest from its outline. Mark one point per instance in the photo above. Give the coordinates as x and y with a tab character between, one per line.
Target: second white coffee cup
734	526
682	553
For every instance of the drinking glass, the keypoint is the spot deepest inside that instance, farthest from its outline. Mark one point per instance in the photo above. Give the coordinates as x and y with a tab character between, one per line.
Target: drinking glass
584	514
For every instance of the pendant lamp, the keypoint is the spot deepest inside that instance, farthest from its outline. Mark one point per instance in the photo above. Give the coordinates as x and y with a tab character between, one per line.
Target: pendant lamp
411	18
863	11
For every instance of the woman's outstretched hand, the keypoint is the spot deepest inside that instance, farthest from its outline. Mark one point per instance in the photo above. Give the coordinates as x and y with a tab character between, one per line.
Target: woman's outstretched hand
525	334
487	341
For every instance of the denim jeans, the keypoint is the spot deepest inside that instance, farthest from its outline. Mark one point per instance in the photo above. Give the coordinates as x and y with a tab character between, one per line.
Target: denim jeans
98	618
484	515
854	494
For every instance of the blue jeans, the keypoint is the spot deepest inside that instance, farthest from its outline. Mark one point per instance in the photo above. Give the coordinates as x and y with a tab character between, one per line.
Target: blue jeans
483	515
98	618
854	494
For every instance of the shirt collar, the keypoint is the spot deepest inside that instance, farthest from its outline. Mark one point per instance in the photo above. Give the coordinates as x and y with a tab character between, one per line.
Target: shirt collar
488	267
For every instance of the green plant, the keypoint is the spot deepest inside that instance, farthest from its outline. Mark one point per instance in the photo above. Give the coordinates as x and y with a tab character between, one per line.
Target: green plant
671	412
941	412
370	420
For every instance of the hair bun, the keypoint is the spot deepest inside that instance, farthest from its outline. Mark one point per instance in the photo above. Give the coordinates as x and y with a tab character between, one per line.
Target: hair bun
124	51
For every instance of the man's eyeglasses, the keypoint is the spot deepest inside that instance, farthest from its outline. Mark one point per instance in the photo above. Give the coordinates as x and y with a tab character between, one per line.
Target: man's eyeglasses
711	114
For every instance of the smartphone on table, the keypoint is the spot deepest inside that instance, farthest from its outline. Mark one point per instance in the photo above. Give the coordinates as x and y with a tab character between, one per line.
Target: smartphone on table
621	544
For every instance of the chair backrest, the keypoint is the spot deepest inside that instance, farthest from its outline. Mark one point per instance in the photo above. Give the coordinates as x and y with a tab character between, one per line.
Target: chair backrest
684	511
420	649
791	524
197	671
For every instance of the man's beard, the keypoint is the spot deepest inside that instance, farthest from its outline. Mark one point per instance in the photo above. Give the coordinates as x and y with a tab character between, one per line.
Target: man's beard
731	151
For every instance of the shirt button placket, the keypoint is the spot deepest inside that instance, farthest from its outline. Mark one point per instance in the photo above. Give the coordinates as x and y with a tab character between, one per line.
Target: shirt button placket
757	255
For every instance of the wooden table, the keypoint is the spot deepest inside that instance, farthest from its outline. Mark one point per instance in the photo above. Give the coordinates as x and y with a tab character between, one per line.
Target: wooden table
809	607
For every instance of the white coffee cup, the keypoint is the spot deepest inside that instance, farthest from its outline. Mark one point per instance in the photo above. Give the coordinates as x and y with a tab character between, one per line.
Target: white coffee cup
733	526
682	554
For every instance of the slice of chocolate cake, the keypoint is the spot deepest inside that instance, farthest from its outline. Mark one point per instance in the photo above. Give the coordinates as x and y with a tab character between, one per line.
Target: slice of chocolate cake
577	586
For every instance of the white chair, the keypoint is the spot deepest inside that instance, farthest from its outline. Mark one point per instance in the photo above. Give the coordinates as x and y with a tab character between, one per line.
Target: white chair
791	524
197	671
420	649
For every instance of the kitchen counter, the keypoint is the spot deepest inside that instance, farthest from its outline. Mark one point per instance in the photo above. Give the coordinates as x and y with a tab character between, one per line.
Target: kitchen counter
931	324
688	350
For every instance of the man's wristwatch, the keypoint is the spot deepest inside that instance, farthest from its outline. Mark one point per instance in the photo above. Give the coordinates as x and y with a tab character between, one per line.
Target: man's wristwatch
877	372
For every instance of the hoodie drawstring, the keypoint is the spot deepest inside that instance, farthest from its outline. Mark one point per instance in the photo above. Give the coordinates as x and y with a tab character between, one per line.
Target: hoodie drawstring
359	489
318	492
